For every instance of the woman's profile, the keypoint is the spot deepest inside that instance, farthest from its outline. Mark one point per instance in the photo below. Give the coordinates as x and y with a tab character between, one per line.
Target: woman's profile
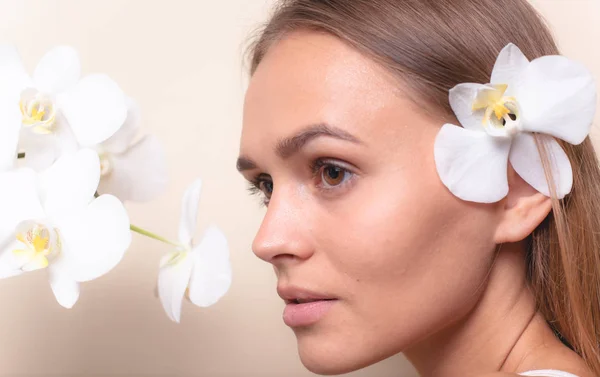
431	186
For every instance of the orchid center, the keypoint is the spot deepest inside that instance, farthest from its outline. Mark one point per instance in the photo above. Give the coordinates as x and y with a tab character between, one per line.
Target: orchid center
37	244
501	113
174	257
38	111
106	164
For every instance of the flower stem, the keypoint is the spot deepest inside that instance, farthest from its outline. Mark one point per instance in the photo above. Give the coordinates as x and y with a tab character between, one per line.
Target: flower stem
146	233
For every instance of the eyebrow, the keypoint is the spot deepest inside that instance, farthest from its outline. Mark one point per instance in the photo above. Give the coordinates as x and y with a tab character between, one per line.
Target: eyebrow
289	146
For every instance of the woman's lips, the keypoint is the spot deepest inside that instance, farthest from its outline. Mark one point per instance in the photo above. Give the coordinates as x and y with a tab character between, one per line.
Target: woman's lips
304	307
302	314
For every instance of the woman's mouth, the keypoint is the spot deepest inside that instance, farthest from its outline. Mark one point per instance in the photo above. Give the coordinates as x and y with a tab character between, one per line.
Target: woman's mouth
299	313
304	308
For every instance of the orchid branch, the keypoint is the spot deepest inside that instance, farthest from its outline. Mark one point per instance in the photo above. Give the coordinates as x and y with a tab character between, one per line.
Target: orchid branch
149	234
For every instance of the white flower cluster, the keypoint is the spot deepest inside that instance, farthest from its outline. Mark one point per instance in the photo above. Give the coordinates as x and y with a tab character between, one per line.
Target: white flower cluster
69	158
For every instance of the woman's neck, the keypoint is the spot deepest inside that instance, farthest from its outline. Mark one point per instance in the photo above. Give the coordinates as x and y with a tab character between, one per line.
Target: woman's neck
499	334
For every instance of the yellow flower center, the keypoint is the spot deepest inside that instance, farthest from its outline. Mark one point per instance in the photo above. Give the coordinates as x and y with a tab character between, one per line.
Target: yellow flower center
38	110
39	245
494	102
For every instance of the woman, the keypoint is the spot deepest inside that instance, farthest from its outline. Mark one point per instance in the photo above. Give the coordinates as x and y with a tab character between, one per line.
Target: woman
471	250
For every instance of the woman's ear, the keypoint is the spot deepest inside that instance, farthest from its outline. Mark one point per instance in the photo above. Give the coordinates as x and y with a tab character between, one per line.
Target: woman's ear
524	208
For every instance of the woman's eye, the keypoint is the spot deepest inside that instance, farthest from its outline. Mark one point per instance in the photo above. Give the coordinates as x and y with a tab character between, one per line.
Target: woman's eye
266	187
261	185
332	175
328	176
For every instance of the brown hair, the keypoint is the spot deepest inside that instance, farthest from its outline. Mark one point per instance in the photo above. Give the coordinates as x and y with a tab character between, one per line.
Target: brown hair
433	45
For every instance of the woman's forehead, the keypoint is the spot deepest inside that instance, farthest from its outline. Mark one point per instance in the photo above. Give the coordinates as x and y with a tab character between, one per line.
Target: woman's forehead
306	64
312	78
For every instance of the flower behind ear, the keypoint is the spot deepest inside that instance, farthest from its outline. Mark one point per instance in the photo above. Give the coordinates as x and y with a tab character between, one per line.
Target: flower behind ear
551	97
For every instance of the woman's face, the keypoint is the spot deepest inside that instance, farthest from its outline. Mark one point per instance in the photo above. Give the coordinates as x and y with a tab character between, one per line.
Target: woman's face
357	217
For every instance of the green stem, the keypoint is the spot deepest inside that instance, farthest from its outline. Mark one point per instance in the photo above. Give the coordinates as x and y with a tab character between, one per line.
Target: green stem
146	233
21	155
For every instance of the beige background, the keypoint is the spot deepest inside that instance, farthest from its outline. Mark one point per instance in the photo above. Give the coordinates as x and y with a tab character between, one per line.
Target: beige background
182	61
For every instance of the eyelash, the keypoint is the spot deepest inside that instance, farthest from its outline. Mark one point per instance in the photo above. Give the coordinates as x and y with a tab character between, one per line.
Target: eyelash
316	167
255	189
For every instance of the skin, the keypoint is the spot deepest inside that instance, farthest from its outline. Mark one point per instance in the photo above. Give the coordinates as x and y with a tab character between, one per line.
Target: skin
414	269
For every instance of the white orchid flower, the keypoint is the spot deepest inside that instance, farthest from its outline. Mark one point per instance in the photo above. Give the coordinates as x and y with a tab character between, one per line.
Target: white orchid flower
551	96
59	112
135	171
203	270
51	220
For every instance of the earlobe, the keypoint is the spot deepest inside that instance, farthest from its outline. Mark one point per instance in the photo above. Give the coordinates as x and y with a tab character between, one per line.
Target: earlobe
523	210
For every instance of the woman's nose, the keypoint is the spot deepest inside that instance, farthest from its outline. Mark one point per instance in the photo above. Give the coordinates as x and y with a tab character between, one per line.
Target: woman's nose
285	232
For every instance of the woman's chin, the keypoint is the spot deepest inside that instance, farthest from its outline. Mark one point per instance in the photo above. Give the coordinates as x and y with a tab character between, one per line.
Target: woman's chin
327	365
328	357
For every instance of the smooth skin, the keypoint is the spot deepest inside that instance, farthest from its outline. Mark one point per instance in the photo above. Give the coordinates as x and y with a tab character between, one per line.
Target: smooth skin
357	211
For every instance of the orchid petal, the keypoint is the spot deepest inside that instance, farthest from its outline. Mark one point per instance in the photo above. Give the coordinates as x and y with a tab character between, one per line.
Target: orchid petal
173	280
211	276
10	126
71	182
95	109
96	239
9	265
41	149
64	287
471	164
13	76
557	97
462	98
66	142
525	159
123	138
189	212
511	62
19	200
58	70
139	174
